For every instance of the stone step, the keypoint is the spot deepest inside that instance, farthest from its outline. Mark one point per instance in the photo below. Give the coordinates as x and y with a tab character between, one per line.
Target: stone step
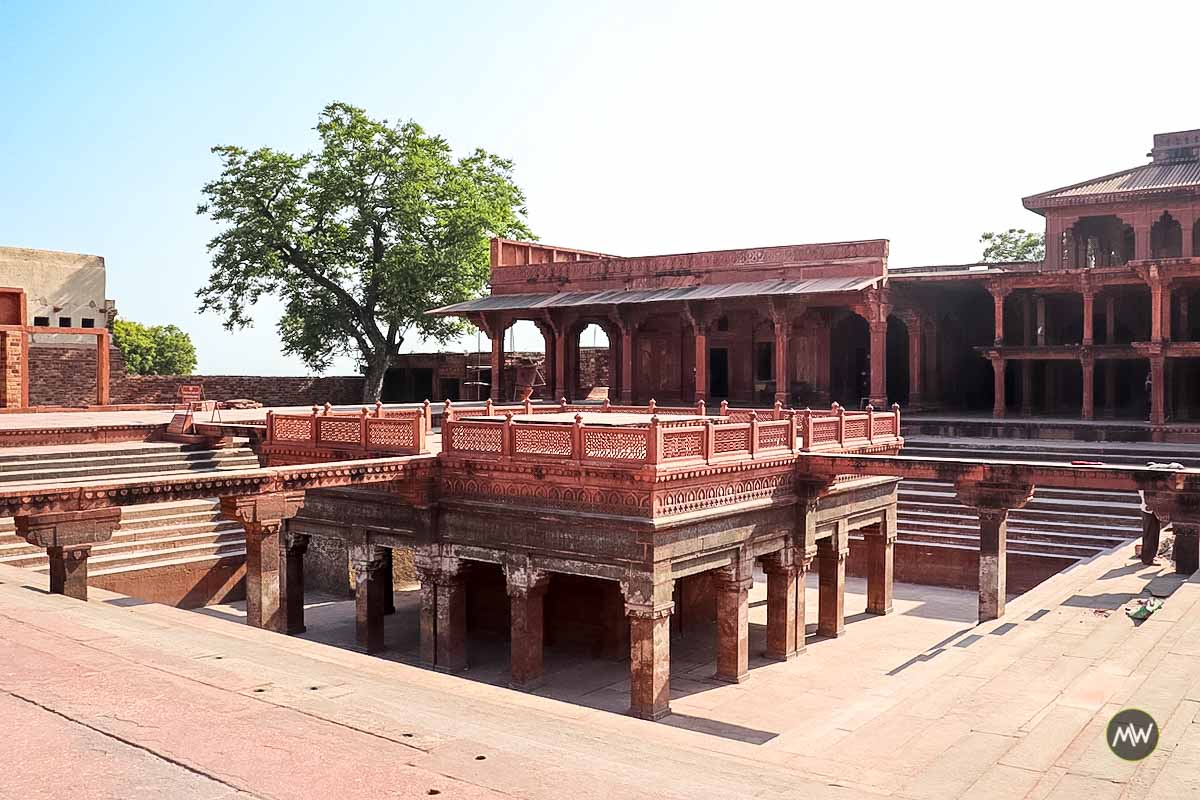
10	455
966	544
1048	451
1016	544
79	474
224	547
107	460
226	554
1040	493
117	549
1065	520
1084	536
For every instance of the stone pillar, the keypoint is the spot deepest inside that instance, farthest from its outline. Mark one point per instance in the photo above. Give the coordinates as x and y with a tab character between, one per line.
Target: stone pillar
998	295
373	583
1110	389
1110	318
627	355
732	585
526	593
831	567
878	393
68	538
915	363
783	379
1158	410
1089	323
443	612
1040	332
1088	367
561	386
649	610
785	605
1141	236
1026	387
496	388
291	562
701	367
992	503
262	516
998	402
102	367
880	541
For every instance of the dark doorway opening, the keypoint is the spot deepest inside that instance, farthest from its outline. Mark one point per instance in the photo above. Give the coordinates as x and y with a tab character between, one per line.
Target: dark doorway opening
407	385
849	370
718	372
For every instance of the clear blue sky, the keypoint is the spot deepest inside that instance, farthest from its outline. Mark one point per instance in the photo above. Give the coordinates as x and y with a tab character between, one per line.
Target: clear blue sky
636	127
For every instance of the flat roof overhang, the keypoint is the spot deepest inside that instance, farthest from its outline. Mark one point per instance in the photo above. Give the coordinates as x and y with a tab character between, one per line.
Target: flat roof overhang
616	297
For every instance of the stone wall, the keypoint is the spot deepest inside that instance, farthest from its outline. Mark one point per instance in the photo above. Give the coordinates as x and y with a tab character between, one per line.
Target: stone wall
65	375
266	389
593	368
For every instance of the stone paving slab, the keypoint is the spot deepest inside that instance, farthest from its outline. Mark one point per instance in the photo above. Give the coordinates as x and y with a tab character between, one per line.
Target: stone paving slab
147	699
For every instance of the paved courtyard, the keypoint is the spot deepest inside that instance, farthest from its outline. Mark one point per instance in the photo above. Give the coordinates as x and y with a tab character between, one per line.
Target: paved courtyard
118	697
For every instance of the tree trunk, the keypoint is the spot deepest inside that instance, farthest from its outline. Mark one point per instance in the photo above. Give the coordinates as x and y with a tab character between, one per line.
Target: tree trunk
377	368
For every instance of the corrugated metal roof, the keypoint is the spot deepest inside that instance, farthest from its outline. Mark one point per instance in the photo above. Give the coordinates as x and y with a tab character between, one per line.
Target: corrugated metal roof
512	302
1167	175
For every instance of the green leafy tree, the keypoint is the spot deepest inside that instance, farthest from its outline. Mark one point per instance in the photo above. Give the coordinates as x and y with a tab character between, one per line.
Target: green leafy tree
358	239
154	349
1014	244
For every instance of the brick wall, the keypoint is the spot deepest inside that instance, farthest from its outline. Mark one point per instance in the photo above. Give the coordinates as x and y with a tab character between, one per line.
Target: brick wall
65	375
11	344
593	367
266	389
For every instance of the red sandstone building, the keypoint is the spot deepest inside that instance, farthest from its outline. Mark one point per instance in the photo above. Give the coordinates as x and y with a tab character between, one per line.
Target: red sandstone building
1100	329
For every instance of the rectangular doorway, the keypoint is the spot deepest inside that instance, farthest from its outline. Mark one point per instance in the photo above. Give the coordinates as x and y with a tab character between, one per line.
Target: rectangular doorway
718	372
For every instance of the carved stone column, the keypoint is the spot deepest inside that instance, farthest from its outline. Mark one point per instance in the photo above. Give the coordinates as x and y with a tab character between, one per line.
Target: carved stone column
998	294
263	516
526	593
1158	379
373	582
443	612
294	545
732	585
880	541
999	404
649	608
916	363
68	538
1087	363
992	502
831	566
878	393
785	603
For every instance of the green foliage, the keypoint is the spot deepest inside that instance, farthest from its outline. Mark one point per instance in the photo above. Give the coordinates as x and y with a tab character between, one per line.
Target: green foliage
154	349
1014	244
358	239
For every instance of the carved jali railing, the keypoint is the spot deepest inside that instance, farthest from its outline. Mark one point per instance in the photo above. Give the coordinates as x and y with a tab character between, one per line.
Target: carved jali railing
685	435
395	431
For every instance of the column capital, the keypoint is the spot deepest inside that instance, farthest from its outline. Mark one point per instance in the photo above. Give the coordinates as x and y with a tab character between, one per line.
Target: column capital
366	557
993	498
523	578
262	511
68	529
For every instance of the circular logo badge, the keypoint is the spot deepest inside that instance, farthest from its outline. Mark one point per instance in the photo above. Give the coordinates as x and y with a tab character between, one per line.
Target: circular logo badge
1132	734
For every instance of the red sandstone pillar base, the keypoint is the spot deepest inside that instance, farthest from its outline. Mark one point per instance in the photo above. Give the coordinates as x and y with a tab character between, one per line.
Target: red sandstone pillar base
831	566
733	623
880	542
372	584
526	592
292	580
993	581
68	570
650	660
785	608
443	614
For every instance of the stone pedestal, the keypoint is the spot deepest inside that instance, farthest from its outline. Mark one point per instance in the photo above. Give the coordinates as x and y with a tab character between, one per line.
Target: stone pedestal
650	660
831	568
880	542
68	538
733	623
373	583
526	593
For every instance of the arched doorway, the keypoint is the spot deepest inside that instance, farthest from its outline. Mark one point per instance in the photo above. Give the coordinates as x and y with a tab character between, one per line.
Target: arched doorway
849	361
1166	238
593	362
